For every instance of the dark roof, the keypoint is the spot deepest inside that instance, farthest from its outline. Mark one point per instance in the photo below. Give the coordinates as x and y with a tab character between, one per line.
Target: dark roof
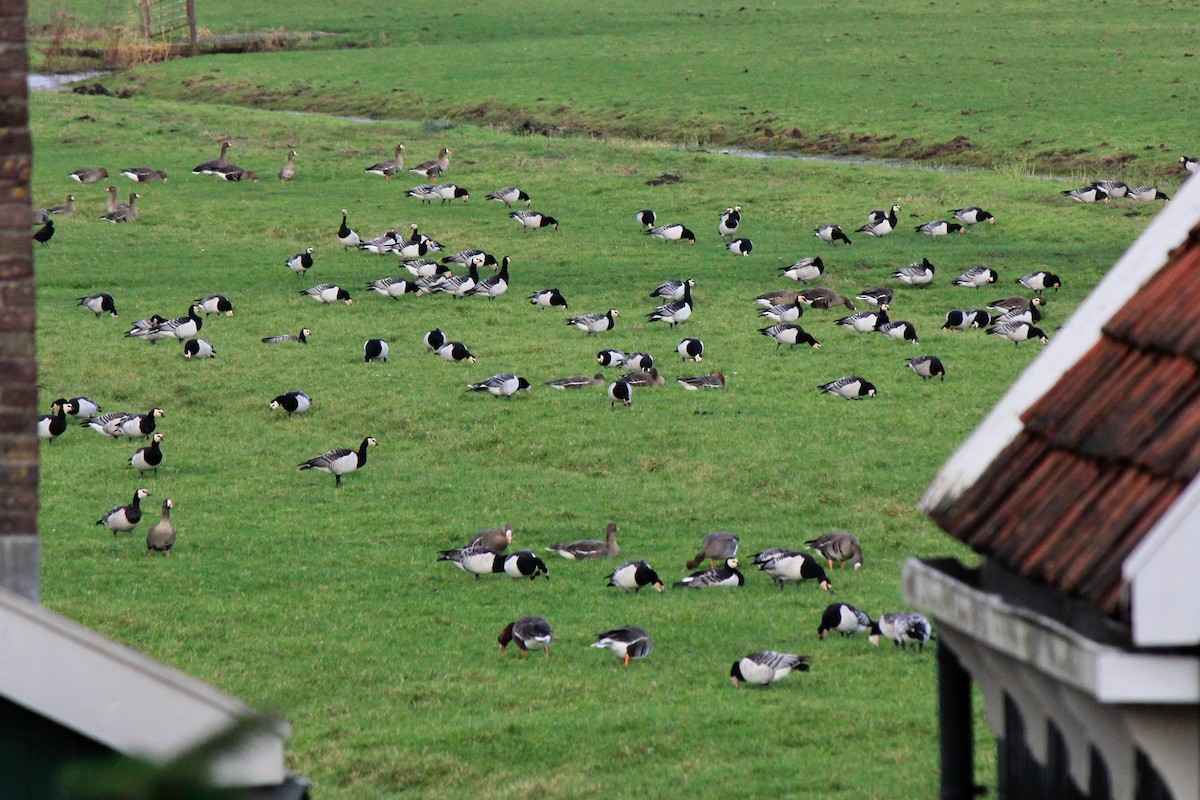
1104	453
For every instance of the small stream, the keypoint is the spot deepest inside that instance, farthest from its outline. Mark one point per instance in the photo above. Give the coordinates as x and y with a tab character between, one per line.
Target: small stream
59	82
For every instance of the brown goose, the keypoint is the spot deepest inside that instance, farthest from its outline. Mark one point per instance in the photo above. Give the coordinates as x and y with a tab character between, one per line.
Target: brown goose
838	546
89	174
719	545
144	174
432	169
234	174
495	539
208	167
161	536
42	215
389	166
821	297
124	212
590	548
287	173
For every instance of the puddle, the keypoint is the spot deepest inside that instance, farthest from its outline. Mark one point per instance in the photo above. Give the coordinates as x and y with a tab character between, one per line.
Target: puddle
59	82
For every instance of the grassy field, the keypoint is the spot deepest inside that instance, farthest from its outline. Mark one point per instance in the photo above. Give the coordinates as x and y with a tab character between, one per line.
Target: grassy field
965	84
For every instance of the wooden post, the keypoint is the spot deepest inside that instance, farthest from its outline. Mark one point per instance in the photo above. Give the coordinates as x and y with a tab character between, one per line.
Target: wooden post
191	18
144	10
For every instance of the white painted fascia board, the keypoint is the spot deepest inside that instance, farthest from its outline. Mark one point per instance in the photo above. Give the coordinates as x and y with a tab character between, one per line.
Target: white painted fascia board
1160	574
121	698
1109	674
1140	262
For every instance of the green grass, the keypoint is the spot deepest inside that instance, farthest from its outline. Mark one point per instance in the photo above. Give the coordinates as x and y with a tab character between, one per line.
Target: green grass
328	606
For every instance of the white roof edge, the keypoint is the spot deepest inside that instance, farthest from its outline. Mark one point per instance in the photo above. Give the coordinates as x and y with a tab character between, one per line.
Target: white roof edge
122	698
1139	263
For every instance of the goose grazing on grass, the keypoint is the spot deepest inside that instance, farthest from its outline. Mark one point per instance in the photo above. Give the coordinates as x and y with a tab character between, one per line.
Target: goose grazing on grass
1016	303
533	220
865	321
375	349
425	193
144	174
590	548
447	192
691	348
788	565
393	287
804	270
215	304
122	519
389	166
147	329
634	575
1190	164
426	268
927	367
345	236
718	545
977	277
301	337
639	362
1029	313
676	311
1113	188
433	340
83	407
91	174
99	303
939	227
1143	193
876	296
785	312
328	293
956	320
850	387
625	643
822	298
831	234
455	351
548	298
287	173
596	322
1087	194
210	166
434	168
903	628
460	285
524	564
901	331
235	174
180	327
148	458
669	290
504	384
726	575
495	539
530	633
731	220
880	223
843	618
340	461
672	232
919	274
509	195
576	382
1039	281
139	426
51	426
161	536
838	546
611	358
198	348
764	667
106	424
741	247
473	255
1017	332
291	402
646	218
476	560
973	215
790	334
713	380
301	262
620	392
494	285
383	244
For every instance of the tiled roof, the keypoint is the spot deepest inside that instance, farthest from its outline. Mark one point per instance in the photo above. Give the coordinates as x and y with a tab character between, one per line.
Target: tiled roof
1104	453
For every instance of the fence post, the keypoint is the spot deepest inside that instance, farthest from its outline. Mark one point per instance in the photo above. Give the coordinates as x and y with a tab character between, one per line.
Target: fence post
144	9
191	18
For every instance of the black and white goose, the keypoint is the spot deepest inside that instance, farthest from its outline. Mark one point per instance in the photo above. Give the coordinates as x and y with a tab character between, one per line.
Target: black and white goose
620	392
434	168
375	349
139	426
839	546
383	244
328	293
595	322
973	215
198	348
850	387
1143	193
106	424
425	193
956	320
1017	332
455	351
790	334
726	575
97	174
625	643
610	358
927	367
764	667
875	296
340	461
389	166
294	402
180	327
532	220
1087	194
902	331
99	304
731	220
740	247
530	633
122	519
505	384
843	618
393	287
939	227
1113	188
784	312
669	290
83	407
1040	281
634	575
346	237
493	286
677	311
301	262
524	564
880	223
916	274
865	321
789	565
461	285
235	174
207	167
639	362
646	218
548	298
147	329
448	192
433	340
977	277
1190	164
831	234
148	458
509	195
804	270
903	628
51	426
691	348
1031	313
476	560
415	247
1016	302
472	255
576	382
215	304
672	232
426	268
713	380
301	337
